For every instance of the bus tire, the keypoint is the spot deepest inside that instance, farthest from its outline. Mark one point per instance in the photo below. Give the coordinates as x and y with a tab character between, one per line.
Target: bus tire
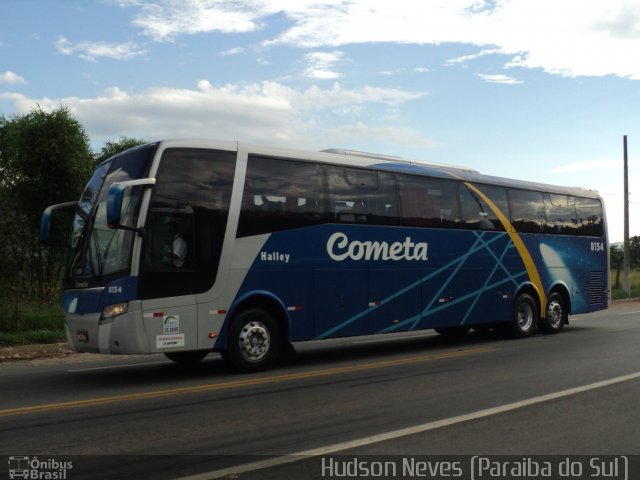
556	316
453	333
524	321
187	358
254	341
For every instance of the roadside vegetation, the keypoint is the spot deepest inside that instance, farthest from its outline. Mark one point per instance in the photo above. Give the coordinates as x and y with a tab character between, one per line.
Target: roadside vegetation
616	259
617	292
32	323
45	158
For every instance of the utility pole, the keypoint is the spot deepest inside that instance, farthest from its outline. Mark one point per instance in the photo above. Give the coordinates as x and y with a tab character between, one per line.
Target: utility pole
626	261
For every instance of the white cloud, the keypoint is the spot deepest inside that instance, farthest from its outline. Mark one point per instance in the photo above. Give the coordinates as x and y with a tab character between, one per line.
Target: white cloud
499	79
232	51
266	112
402	71
168	19
468	58
568	37
125	3
12	78
90	51
321	65
337	97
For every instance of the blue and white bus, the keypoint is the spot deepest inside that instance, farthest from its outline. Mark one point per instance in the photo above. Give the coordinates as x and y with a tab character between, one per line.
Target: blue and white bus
187	247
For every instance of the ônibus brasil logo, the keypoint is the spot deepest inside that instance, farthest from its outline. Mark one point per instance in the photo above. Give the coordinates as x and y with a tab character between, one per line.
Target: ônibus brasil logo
33	468
340	248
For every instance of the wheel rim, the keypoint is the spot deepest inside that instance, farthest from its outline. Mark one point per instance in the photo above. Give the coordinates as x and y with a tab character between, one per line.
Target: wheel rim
554	313
525	316
255	341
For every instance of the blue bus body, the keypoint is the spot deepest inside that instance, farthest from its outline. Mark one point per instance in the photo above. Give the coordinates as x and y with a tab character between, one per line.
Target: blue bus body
287	246
470	278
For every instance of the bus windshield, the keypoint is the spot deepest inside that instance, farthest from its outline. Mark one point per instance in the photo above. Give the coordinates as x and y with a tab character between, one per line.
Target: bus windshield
97	250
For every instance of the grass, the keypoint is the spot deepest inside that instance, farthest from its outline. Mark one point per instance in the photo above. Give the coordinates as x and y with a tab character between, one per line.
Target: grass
634	280
30	323
33	336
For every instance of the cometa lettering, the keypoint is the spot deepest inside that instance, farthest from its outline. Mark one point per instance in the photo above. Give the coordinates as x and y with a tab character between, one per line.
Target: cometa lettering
340	248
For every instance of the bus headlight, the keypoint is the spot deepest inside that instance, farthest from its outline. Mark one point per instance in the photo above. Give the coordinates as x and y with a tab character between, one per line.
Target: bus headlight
111	311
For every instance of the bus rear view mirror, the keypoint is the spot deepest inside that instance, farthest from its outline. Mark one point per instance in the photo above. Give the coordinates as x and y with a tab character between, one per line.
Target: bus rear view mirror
115	199
45	221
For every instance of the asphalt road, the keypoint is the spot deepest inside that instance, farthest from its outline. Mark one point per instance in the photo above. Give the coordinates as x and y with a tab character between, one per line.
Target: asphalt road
575	393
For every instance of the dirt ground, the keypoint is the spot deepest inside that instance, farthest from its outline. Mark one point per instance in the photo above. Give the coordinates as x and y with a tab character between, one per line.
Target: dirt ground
20	353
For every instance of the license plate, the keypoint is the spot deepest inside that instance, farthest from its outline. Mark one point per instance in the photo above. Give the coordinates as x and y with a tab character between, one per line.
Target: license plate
82	336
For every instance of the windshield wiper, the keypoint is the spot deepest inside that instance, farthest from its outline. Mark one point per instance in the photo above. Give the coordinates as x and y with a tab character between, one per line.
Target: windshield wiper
97	252
84	215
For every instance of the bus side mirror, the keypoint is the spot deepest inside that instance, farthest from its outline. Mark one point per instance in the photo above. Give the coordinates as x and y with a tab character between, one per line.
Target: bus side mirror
115	197
114	205
45	221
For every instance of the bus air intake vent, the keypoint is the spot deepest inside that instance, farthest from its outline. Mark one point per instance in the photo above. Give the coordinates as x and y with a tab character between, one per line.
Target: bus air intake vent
596	293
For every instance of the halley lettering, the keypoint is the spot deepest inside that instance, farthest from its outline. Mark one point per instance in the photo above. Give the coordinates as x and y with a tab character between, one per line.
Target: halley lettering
274	257
340	248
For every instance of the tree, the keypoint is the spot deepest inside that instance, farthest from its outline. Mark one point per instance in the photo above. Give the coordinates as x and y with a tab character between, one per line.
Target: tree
634	251
112	148
45	159
615	259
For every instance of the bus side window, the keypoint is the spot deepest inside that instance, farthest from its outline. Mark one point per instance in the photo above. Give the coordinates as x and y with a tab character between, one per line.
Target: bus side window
280	195
169	241
428	202
561	215
527	211
589	213
186	222
362	196
476	213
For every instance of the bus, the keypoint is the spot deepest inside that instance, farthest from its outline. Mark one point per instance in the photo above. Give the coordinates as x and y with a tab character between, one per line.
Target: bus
186	247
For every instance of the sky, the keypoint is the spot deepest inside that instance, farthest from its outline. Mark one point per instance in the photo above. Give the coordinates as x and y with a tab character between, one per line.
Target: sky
540	90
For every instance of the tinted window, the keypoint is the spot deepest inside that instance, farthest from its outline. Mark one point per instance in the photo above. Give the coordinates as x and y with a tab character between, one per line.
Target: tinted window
589	213
476	214
280	195
362	196
561	214
428	202
186	222
499	197
527	211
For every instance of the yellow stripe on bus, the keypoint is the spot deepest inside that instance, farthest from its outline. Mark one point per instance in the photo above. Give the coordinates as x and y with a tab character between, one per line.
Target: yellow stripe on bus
529	264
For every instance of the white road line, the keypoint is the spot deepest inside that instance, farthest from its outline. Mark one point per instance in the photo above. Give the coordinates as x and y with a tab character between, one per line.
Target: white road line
338	447
630	313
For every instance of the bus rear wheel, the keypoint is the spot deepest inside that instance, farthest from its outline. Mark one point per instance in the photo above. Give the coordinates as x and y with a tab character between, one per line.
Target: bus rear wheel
524	320
253	342
556	315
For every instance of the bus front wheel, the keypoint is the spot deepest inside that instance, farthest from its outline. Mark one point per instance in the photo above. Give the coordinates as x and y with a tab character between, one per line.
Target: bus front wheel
253	341
524	321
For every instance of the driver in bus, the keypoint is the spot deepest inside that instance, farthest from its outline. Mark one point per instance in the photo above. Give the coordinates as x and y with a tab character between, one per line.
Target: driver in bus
177	246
